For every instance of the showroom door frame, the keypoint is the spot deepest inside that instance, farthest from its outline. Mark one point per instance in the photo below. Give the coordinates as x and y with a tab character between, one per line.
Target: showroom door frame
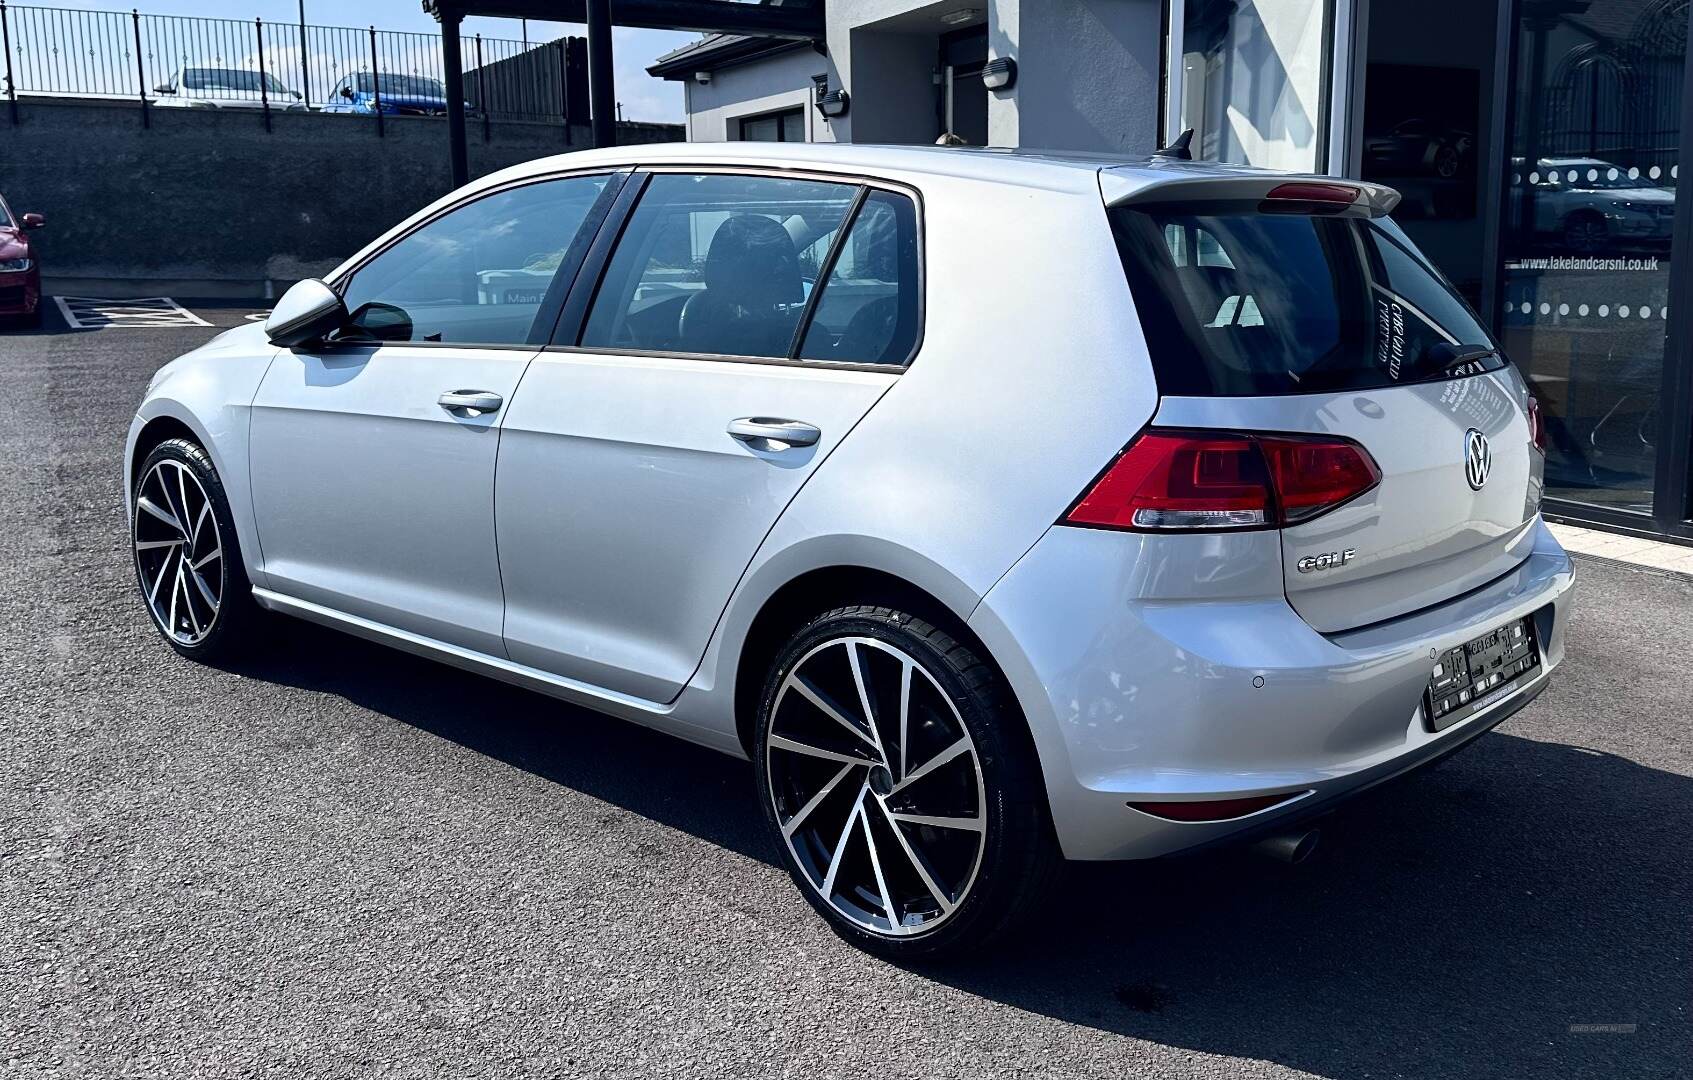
1671	495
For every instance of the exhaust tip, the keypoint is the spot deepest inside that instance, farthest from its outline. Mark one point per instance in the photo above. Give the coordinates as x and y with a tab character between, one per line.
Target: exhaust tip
1292	848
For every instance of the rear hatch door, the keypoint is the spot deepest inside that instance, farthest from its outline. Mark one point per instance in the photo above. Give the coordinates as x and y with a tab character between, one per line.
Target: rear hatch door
1310	312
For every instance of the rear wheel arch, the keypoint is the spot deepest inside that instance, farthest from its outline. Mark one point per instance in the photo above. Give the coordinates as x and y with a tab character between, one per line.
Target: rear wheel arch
823	589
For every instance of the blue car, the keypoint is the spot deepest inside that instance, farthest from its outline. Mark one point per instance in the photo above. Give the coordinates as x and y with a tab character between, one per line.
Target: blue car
390	93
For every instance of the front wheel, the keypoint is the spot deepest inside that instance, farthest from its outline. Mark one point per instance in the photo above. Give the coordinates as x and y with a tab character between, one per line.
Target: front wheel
903	792
187	557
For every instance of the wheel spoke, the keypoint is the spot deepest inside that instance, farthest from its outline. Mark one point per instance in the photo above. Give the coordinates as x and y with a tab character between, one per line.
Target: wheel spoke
165	516
864	698
806	692
188	599
782	742
962	746
942	897
164	569
205	590
182	493
904	712
876	867
968	824
200	519
811	804
149	545
175	587
840	844
215	553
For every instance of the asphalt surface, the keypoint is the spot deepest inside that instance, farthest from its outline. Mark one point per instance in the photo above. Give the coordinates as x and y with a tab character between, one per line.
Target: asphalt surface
341	861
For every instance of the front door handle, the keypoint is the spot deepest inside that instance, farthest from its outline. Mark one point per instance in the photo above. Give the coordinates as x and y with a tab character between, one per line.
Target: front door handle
472	402
770	433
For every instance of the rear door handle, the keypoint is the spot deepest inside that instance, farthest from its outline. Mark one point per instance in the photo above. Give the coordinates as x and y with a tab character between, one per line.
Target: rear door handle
473	402
770	433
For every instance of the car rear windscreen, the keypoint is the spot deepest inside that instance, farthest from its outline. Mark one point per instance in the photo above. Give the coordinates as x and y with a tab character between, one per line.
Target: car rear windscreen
1235	301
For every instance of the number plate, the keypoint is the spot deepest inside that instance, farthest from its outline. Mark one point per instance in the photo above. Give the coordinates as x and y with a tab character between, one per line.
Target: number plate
1473	676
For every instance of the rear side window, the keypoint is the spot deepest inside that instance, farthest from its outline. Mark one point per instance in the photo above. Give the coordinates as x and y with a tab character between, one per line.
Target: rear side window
767	267
867	312
1236	302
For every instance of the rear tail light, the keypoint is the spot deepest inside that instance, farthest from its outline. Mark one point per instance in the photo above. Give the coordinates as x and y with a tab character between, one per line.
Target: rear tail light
1185	481
1536	424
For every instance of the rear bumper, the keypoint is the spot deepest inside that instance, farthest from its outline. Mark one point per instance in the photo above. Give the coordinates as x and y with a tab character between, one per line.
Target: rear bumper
1227	696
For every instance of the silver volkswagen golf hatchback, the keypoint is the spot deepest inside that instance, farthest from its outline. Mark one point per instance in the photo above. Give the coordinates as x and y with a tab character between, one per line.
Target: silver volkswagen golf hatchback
1003	508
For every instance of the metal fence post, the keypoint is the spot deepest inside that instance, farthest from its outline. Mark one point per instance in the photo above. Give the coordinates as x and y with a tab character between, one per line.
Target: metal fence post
264	91
482	89
376	84
140	69
564	93
6	43
305	64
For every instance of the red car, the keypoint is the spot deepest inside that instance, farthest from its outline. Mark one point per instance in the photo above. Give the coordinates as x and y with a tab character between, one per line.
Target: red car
20	273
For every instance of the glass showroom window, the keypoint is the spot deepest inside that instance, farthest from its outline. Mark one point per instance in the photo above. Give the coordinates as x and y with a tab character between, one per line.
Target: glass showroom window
1249	80
1586	240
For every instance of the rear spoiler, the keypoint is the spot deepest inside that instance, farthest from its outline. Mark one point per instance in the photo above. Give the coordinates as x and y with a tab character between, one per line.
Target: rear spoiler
1187	185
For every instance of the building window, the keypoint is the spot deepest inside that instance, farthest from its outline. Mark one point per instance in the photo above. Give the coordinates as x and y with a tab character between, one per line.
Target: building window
1591	181
1249	80
785	126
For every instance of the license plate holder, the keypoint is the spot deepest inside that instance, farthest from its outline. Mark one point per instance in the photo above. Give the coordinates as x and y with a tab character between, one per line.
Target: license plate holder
1470	677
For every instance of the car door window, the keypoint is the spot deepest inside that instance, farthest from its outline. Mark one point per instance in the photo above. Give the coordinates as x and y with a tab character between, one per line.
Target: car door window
475	275
867	311
717	264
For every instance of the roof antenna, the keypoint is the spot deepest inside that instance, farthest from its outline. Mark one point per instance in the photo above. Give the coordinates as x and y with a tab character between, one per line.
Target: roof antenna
1178	148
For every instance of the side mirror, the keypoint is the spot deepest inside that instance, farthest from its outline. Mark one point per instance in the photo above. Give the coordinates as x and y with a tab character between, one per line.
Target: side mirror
347	92
297	95
309	311
164	88
33	221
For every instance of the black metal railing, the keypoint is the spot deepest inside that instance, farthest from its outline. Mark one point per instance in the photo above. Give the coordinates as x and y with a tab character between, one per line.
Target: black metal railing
187	61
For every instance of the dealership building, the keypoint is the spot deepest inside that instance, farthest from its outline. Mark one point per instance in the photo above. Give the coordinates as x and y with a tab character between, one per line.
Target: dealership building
1536	143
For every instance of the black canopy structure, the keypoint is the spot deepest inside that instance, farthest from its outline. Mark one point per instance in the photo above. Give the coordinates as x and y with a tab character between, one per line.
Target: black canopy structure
802	20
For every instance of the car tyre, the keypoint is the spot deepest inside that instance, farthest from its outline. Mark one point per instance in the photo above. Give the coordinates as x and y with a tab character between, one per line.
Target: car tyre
899	779
187	555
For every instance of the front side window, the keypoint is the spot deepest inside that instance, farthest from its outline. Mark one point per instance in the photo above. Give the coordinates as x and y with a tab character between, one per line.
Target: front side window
229	79
717	264
478	273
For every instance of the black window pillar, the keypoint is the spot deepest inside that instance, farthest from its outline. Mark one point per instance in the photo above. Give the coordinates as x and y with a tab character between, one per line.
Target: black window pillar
450	58
601	90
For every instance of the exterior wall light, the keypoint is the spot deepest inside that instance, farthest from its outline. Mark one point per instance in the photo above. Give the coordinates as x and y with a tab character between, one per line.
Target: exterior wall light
833	104
1000	73
961	16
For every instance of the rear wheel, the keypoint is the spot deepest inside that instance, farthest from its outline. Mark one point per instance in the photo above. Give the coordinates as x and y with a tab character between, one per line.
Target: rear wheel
906	803
187	557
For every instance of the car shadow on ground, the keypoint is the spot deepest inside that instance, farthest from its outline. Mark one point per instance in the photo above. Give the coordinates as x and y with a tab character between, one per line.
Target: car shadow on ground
1523	909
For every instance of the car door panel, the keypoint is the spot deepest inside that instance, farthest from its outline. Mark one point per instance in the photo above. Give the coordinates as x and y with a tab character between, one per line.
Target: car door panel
627	512
372	498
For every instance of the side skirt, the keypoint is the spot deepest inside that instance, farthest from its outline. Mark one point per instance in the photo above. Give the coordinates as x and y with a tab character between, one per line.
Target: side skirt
655	715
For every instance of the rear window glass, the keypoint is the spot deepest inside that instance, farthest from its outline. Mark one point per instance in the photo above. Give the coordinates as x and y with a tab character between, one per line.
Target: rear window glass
1236	302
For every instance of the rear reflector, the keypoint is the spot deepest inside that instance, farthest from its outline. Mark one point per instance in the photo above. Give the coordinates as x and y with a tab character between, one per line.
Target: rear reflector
1181	481
1212	809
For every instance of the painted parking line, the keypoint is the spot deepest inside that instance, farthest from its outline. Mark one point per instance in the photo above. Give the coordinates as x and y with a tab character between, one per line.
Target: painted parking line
93	313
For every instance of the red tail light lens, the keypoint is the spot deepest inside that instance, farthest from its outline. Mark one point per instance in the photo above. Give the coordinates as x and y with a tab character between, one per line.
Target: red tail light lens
1184	481
1312	475
1536	424
1307	196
